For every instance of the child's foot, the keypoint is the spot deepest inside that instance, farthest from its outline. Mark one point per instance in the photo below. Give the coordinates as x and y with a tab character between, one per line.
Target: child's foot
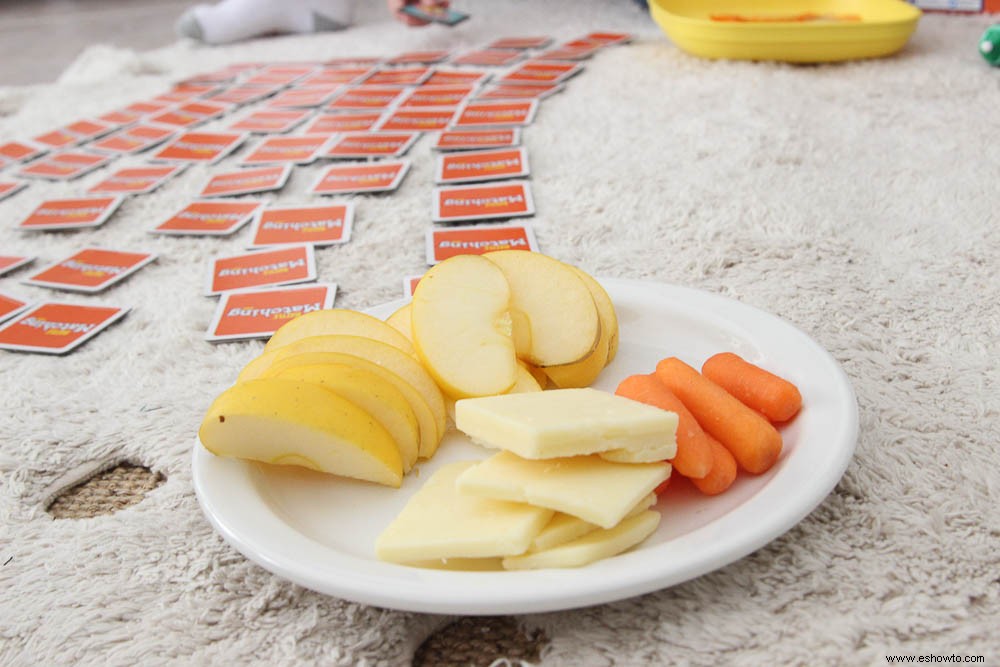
235	20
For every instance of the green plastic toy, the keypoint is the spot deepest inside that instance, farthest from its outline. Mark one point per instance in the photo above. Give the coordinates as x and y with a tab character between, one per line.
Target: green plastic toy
989	45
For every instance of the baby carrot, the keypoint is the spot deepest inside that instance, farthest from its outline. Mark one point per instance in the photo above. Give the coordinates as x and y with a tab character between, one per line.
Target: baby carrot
723	470
663	486
750	438
775	398
694	456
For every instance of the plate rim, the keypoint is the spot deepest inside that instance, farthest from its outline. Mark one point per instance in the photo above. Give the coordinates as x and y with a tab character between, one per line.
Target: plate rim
481	593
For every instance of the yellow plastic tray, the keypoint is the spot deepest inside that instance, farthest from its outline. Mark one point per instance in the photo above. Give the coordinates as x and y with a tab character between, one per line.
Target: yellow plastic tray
884	28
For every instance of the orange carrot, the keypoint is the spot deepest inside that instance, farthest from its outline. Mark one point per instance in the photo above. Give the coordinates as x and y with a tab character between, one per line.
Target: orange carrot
750	438
775	398
694	456
723	470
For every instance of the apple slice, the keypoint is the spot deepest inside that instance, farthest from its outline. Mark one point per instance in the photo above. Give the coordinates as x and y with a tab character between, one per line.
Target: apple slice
457	315
400	321
539	374
584	372
605	311
288	422
337	321
556	304
389	357
525	382
368	391
426	423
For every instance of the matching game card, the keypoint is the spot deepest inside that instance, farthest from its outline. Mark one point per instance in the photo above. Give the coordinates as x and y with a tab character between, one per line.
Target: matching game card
120	117
370	144
78	213
270	122
259	313
541	72
10	263
303	98
74	133
286	150
192	113
410	285
364	98
520	43
136	180
240	95
492	165
455	78
209	218
57	328
382	176
247	181
480	113
147	108
458	203
296	225
11	305
443	243
488	57
10	188
609	38
332	123
437	96
418	120
64	166
283	266
463	140
91	270
337	76
184	92
280	75
519	91
575	50
18	151
403	76
203	147
134	139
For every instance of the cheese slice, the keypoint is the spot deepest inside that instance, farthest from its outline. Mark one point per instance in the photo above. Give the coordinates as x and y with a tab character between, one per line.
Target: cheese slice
591	547
659	452
461	564
565	527
588	487
566	422
439	523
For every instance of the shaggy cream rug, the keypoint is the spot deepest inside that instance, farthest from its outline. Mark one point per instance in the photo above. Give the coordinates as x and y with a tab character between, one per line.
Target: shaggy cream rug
858	201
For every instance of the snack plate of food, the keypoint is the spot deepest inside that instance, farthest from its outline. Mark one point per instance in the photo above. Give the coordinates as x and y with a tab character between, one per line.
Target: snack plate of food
319	530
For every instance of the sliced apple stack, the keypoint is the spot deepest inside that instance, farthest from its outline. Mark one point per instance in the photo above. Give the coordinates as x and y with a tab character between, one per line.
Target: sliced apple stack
337	391
474	317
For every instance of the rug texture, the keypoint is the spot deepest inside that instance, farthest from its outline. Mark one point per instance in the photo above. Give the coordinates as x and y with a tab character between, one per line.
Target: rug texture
858	201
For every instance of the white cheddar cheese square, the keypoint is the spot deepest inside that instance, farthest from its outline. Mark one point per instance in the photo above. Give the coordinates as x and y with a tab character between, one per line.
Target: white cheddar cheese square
588	487
563	528
566	422
591	547
439	523
461	564
660	452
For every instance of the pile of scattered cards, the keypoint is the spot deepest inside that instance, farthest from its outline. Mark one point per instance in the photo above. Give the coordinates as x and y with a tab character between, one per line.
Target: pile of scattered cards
362	115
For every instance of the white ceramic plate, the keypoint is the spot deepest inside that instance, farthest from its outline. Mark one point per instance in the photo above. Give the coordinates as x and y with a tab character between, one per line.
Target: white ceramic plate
319	531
